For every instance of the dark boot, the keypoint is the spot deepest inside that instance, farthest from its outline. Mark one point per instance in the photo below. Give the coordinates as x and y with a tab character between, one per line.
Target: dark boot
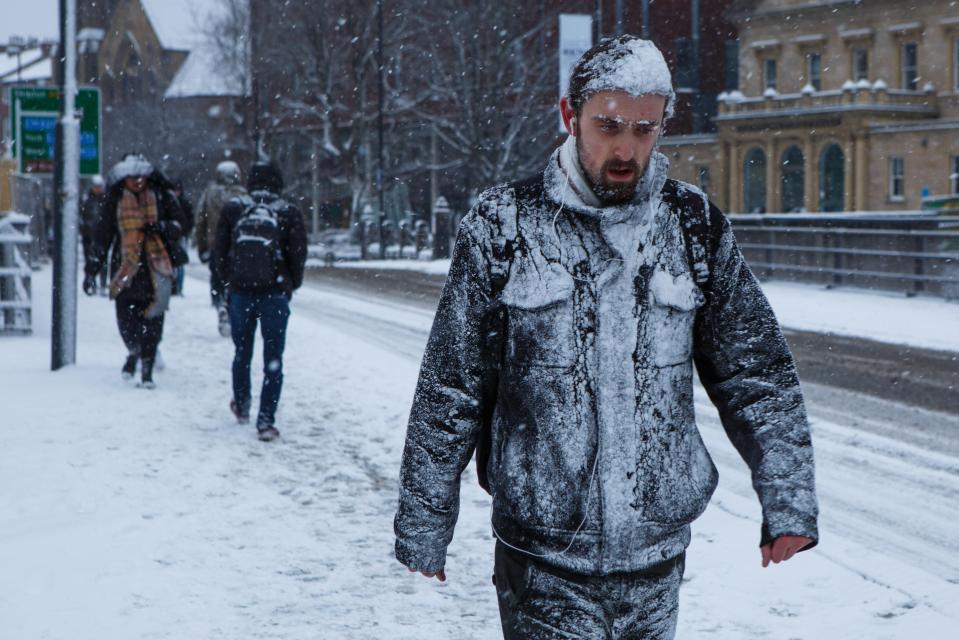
146	374
241	413
266	434
129	367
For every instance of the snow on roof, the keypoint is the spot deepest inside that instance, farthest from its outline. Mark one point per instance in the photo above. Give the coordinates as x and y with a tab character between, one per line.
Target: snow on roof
40	69
201	75
849	34
179	23
809	38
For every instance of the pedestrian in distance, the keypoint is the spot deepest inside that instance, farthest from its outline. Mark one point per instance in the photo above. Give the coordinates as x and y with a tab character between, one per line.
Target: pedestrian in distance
260	257
181	256
578	303
90	211
225	187
141	220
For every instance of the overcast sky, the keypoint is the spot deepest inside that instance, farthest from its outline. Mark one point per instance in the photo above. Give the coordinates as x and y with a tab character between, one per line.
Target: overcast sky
29	18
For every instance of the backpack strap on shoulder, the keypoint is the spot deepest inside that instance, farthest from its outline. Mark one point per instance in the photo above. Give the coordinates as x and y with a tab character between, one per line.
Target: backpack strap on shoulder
693	212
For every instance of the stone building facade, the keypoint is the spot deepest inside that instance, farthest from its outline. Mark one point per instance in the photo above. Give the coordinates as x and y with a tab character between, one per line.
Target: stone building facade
842	105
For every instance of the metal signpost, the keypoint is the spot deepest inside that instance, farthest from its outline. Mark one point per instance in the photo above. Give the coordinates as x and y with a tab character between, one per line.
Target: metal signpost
58	130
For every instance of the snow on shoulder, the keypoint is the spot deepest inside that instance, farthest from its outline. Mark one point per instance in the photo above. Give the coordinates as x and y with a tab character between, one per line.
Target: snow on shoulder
632	65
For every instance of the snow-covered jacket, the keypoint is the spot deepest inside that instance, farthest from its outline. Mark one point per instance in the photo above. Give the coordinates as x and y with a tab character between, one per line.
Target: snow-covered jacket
569	334
212	201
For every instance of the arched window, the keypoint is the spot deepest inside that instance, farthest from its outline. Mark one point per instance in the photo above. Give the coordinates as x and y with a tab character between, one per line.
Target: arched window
754	181
832	178
793	180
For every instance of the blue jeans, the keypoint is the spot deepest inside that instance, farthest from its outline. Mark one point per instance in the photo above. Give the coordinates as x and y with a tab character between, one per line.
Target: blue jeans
273	312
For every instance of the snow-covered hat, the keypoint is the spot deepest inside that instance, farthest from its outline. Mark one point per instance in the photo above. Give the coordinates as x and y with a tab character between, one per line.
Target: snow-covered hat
624	63
132	165
228	172
97	180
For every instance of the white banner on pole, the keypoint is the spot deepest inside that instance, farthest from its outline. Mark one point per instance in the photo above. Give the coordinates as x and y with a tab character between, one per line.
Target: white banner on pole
575	38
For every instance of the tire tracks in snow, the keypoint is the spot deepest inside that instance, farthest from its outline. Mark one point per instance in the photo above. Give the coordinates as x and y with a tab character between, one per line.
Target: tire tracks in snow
878	485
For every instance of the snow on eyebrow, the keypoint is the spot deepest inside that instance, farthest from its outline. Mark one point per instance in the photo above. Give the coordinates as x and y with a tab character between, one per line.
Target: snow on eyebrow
636	67
627	123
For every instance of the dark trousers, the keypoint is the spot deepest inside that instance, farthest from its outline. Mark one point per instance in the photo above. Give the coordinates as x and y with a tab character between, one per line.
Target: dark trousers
88	255
538	602
140	335
273	311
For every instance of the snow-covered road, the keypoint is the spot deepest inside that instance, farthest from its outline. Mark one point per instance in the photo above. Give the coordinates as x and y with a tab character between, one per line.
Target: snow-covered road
134	514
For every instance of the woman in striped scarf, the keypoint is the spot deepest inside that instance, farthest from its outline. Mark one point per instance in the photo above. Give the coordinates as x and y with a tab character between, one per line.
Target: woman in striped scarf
142	218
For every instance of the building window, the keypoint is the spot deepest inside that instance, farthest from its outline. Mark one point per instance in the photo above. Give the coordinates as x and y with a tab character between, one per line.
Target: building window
832	179
754	182
769	74
793	180
814	70
732	65
955	64
897	189
910	66
860	64
954	176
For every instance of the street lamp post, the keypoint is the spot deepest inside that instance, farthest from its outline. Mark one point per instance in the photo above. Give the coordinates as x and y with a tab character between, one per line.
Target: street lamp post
379	124
66	187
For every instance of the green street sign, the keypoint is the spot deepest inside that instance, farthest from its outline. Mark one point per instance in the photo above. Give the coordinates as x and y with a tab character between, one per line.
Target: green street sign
33	120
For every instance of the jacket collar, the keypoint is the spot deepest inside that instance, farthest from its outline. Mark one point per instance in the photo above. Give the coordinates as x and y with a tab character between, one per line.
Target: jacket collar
566	185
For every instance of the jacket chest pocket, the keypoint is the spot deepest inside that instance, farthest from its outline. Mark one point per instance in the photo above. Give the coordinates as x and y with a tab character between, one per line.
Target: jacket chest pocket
542	335
673	302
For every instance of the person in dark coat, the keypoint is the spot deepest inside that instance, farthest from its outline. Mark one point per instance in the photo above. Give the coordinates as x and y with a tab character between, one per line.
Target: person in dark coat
181	255
224	188
260	256
90	210
141	220
578	303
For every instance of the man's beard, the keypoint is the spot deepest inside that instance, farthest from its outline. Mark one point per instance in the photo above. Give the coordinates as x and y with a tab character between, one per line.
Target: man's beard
616	193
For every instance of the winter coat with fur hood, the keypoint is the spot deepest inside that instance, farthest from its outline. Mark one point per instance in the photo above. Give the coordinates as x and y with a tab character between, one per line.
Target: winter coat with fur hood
569	333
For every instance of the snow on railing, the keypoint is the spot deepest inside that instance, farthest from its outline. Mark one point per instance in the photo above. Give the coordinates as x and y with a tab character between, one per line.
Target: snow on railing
16	304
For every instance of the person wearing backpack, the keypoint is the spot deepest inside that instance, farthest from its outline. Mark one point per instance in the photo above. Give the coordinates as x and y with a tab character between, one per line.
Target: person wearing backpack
578	303
260	257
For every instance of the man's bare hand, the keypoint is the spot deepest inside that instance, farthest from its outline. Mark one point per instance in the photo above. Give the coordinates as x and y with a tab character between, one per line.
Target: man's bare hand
439	575
783	548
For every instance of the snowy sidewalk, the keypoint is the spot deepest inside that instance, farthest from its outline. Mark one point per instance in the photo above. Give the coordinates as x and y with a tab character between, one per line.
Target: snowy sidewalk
128	514
925	322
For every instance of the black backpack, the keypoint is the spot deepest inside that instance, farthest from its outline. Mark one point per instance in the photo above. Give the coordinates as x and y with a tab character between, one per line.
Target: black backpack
256	252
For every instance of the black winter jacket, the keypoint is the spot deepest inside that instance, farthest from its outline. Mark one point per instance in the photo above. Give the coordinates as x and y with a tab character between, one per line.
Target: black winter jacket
293	241
106	237
570	333
90	212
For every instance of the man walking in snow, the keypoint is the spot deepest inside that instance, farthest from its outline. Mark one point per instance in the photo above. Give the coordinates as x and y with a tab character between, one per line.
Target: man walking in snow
260	255
562	352
90	211
224	188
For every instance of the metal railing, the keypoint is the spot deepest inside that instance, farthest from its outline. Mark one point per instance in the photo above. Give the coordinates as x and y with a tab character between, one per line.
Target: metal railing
909	252
16	305
31	198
